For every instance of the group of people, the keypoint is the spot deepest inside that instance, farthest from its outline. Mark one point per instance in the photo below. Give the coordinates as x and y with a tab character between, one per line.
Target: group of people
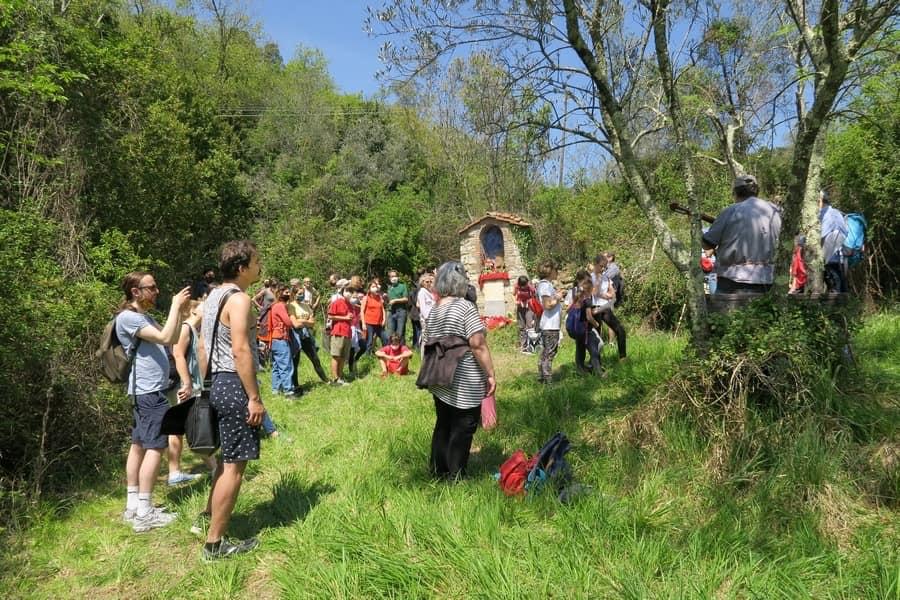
596	291
360	318
741	243
213	343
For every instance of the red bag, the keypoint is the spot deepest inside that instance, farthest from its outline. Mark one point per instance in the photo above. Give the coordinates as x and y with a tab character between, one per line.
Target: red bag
489	413
536	307
514	472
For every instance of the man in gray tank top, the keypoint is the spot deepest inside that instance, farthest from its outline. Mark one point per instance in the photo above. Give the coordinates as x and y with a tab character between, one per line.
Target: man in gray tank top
234	393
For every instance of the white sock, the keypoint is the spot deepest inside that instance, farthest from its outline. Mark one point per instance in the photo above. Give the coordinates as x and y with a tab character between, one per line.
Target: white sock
131	497
144	505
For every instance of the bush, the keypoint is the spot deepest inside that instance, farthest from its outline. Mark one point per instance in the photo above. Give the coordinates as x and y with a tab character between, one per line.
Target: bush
54	421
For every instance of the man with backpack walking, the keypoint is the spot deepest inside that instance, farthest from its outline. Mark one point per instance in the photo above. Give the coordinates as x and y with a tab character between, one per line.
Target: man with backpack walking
843	242
228	336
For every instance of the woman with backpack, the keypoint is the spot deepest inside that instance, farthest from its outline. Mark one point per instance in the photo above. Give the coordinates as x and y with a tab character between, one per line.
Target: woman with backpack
145	340
457	369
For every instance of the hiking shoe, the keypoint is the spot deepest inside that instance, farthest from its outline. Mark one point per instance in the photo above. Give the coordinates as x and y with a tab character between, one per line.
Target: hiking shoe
226	548
200	524
183	478
152	520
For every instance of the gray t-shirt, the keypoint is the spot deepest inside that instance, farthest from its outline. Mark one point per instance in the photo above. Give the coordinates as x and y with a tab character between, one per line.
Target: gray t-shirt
223	357
745	236
150	369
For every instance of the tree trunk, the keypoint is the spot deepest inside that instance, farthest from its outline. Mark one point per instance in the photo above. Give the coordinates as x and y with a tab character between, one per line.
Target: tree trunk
809	218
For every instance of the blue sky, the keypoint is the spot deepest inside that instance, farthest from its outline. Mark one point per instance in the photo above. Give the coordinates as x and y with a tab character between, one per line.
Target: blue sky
335	27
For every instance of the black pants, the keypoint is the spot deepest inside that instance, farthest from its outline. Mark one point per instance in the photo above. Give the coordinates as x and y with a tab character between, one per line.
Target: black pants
308	345
608	317
588	345
452	439
835	279
416	332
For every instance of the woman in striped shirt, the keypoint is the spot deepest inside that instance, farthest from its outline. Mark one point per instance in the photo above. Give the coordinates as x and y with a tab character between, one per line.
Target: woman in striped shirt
457	407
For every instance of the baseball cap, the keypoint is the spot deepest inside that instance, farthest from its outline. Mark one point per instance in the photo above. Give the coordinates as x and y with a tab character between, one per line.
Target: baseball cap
742	180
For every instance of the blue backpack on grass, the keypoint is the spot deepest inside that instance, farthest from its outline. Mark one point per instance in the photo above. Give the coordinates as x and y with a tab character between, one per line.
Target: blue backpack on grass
854	243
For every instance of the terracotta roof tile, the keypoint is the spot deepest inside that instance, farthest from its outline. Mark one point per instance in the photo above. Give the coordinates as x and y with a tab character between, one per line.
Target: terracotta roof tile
500	216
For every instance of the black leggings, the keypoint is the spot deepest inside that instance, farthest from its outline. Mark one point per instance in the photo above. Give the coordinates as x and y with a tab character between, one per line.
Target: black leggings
308	345
452	439
608	317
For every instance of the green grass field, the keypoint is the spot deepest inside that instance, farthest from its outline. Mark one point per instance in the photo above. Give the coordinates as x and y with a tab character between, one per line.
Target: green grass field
345	509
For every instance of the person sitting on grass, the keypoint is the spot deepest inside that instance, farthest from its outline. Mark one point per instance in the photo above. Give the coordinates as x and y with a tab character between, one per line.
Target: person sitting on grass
394	358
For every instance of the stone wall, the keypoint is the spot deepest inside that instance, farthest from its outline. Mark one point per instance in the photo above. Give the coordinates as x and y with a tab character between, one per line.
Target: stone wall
470	257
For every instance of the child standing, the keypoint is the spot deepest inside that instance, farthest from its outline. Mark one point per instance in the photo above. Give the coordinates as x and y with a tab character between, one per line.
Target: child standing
550	299
524	292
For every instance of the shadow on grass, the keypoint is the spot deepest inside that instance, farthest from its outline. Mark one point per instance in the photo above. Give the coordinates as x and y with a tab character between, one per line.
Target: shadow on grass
292	499
529	413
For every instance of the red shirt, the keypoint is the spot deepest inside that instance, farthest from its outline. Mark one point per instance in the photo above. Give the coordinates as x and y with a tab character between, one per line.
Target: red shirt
394	365
340	308
523	295
281	322
374	314
798	268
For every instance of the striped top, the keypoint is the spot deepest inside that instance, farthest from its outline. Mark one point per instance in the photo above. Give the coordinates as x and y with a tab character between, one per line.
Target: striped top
458	317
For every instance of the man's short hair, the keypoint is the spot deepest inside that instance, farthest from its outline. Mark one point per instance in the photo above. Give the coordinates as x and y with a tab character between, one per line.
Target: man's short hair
234	255
395	339
546	268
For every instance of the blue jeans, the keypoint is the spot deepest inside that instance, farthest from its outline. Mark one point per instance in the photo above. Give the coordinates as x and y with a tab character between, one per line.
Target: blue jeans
282	366
268	425
397	323
371	332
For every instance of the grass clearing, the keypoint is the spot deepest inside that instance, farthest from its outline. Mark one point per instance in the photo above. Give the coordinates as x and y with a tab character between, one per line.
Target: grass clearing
345	508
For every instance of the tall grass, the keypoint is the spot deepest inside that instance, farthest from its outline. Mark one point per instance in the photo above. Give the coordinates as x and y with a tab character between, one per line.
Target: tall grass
345	508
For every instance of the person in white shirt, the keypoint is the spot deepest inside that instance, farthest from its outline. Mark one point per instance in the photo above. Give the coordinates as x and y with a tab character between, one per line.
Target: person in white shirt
551	300
604	298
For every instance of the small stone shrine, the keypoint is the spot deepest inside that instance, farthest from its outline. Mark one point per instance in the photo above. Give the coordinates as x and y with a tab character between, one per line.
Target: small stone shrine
490	254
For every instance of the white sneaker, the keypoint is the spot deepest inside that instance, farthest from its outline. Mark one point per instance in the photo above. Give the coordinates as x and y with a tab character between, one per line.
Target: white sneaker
128	515
153	519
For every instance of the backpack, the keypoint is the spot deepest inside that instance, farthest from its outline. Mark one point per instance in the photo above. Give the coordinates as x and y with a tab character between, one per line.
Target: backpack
514	473
535	305
855	240
520	474
574	323
550	464
115	364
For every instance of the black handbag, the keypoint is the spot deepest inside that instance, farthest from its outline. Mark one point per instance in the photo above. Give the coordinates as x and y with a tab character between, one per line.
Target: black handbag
201	427
196	418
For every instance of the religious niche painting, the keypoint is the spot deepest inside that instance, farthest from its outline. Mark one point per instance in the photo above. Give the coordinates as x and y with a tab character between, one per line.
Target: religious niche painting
492	259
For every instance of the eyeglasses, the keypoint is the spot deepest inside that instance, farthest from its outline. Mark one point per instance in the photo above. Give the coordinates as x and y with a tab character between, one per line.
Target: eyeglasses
153	287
